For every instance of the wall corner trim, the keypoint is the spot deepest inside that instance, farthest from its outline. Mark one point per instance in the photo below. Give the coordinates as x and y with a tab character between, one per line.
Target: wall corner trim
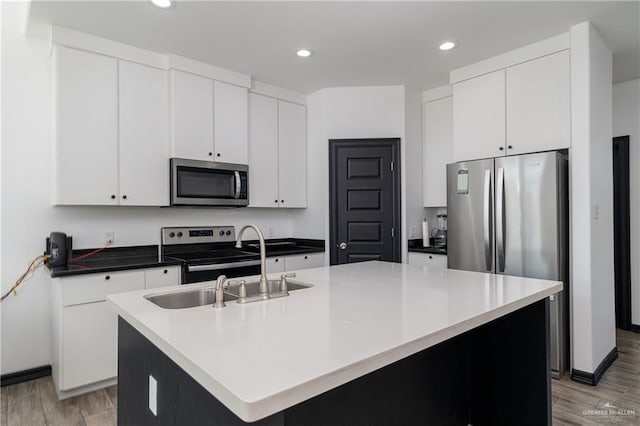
593	378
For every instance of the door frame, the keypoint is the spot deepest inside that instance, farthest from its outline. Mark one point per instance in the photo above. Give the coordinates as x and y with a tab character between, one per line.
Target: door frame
622	232
334	144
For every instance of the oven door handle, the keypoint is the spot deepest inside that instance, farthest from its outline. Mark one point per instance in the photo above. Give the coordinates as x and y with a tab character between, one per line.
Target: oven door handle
238	184
218	266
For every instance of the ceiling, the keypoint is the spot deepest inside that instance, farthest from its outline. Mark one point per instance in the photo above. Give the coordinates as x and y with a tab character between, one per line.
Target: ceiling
355	43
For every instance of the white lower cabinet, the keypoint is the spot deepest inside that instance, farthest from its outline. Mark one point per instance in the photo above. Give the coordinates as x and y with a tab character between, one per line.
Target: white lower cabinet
275	265
427	259
85	326
304	261
162	277
278	265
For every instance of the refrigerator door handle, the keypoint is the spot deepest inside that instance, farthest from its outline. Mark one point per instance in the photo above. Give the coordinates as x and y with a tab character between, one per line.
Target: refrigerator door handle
487	220
500	230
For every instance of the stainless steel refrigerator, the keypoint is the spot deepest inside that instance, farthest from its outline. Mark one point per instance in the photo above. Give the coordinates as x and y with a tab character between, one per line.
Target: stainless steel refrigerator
509	215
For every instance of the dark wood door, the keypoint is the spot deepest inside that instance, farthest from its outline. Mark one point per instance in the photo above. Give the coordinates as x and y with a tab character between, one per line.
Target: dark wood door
364	200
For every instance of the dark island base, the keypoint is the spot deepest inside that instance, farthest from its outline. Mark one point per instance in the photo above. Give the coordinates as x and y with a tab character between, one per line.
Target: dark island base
496	374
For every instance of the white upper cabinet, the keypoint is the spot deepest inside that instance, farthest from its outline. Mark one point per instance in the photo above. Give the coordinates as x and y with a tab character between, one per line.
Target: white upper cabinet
144	135
479	117
437	149
192	116
292	154
263	151
538	104
87	128
277	153
520	109
230	123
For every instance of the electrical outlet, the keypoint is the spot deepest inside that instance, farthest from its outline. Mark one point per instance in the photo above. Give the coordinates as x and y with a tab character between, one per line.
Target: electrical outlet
153	395
109	238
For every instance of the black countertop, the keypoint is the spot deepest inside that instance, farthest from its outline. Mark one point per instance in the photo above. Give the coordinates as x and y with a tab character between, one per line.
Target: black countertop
113	259
138	257
416	247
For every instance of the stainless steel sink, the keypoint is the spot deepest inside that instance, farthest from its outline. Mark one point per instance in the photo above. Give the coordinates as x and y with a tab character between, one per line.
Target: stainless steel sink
254	290
206	296
186	299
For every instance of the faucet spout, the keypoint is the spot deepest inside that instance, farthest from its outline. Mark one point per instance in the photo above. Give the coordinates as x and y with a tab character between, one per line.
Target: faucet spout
219	292
264	287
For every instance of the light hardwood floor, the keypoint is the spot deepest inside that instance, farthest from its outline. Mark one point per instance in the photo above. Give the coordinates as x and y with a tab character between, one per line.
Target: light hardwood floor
35	403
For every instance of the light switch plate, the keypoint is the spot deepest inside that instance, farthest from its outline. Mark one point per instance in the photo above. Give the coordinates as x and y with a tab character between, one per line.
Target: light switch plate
153	395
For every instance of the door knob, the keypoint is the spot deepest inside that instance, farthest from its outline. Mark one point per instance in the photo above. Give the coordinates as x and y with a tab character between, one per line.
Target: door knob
343	246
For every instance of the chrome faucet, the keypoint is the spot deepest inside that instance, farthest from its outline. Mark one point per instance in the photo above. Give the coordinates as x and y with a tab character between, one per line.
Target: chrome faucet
221	282
264	286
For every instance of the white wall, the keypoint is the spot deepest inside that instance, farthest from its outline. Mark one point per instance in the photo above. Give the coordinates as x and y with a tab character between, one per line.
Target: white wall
361	112
591	175
413	164
27	214
626	121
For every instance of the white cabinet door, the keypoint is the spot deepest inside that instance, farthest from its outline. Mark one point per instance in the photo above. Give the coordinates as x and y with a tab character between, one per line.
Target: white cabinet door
88	326
162	277
437	150
263	151
192	116
230	123
479	117
275	265
292	154
144	135
538	104
304	261
89	344
87	128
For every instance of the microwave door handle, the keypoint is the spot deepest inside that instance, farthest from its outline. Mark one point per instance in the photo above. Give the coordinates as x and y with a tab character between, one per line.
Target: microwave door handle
238	184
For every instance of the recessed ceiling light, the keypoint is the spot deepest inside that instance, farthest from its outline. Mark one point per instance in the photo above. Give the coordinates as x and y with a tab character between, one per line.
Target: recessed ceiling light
304	53
447	45
164	4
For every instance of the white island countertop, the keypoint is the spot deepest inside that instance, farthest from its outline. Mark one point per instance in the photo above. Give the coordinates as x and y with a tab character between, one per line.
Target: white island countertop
261	358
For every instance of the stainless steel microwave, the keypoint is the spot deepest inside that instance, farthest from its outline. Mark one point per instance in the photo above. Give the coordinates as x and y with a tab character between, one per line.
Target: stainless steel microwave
207	183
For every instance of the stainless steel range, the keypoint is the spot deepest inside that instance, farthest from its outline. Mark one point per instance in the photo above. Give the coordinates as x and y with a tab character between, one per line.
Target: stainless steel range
207	252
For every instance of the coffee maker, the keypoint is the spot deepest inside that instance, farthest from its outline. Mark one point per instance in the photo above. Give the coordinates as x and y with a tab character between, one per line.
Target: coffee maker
440	234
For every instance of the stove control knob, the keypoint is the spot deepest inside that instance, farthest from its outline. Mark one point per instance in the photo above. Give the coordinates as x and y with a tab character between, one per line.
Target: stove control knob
179	234
228	233
172	234
222	233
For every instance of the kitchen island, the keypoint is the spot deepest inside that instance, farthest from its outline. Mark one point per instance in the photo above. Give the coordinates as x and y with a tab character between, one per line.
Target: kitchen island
369	343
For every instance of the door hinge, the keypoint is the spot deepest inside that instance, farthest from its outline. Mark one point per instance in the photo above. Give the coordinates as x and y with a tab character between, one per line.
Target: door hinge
393	232
392	166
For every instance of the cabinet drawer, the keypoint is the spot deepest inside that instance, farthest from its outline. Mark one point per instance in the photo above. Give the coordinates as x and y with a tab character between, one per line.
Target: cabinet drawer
95	287
162	277
304	261
427	259
275	265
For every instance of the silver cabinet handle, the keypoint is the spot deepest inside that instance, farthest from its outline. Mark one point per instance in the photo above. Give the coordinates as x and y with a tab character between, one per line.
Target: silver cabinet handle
487	220
343	246
500	231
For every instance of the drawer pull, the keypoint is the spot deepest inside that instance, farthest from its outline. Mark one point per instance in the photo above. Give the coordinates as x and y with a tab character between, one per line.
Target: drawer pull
430	257
165	271
306	257
108	277
277	260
